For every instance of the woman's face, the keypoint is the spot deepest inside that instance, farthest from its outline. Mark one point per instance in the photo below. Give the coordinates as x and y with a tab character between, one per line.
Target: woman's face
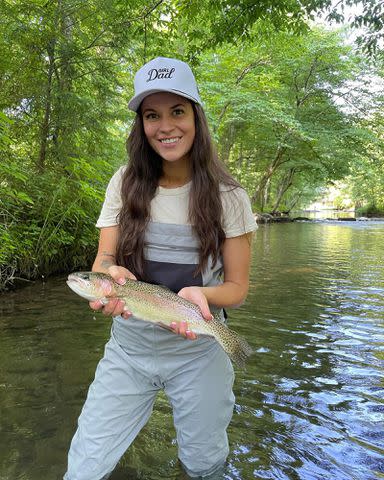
169	125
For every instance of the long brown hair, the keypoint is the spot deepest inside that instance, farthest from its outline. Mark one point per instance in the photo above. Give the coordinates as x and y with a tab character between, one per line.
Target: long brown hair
140	181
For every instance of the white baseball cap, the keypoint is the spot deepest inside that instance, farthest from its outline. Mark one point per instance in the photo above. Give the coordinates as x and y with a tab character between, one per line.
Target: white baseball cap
164	75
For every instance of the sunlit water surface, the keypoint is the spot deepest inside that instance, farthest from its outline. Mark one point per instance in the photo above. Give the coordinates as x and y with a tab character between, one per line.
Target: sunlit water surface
310	404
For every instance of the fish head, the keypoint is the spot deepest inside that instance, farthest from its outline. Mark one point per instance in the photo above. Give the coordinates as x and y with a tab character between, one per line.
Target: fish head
91	285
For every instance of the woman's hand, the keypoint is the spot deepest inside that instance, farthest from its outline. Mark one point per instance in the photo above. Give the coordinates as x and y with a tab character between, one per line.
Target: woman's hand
196	296
115	306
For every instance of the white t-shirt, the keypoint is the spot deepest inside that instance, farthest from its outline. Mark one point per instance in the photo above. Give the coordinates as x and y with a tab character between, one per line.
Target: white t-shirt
170	205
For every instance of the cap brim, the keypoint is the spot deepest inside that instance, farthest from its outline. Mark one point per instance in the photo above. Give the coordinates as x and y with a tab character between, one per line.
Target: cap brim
135	101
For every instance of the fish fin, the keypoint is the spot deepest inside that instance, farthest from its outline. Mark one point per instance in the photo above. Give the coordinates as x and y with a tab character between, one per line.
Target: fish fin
218	316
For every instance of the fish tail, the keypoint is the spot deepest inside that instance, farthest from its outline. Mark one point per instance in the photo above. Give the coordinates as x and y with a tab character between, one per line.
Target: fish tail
241	351
236	347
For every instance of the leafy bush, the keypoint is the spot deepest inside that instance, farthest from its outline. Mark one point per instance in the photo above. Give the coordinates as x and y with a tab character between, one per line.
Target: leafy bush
370	210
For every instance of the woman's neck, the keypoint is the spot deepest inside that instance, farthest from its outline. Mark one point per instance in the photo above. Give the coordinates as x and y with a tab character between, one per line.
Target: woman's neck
175	182
175	175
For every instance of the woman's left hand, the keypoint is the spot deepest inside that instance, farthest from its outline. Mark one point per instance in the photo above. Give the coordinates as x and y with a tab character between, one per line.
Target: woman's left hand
196	296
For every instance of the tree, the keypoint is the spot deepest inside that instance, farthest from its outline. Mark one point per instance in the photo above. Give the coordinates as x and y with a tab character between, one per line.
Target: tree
366	180
277	114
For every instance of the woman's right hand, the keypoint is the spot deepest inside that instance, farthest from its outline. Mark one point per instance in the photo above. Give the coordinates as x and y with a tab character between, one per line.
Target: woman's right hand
115	306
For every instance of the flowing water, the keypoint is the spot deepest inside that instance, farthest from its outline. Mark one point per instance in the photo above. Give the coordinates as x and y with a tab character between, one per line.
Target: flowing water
310	404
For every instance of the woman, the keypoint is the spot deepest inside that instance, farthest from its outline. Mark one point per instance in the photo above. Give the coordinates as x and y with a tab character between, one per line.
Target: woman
172	216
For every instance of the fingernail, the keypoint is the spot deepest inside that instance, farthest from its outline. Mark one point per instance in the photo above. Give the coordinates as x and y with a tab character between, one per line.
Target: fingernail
122	281
173	325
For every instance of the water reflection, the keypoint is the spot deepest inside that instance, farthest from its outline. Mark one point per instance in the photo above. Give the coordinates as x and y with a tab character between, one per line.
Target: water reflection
317	309
309	405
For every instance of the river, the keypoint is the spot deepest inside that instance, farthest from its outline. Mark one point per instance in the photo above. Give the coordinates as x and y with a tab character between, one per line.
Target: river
309	405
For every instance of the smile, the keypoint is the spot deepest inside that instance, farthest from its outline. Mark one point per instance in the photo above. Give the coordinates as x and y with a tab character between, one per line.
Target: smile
170	140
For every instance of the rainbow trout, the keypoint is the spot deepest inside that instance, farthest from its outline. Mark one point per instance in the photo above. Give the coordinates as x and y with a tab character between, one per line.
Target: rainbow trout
157	304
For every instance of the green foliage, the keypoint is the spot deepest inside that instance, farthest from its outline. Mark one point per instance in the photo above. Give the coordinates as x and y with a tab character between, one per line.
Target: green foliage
369	21
367	180
61	133
51	227
275	113
371	210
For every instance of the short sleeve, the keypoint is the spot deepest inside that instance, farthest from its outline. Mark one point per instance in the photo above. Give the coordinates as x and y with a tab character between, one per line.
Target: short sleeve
112	202
238	217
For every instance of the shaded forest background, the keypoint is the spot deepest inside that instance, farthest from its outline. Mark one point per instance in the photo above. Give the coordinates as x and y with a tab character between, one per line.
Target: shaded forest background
293	107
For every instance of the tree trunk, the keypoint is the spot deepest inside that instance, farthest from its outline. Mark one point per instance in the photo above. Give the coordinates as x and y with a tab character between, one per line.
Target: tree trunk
64	73
261	192
285	184
227	143
45	126
294	202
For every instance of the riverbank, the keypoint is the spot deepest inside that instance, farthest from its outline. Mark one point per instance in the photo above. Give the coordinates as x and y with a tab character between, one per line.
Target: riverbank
262	218
11	278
